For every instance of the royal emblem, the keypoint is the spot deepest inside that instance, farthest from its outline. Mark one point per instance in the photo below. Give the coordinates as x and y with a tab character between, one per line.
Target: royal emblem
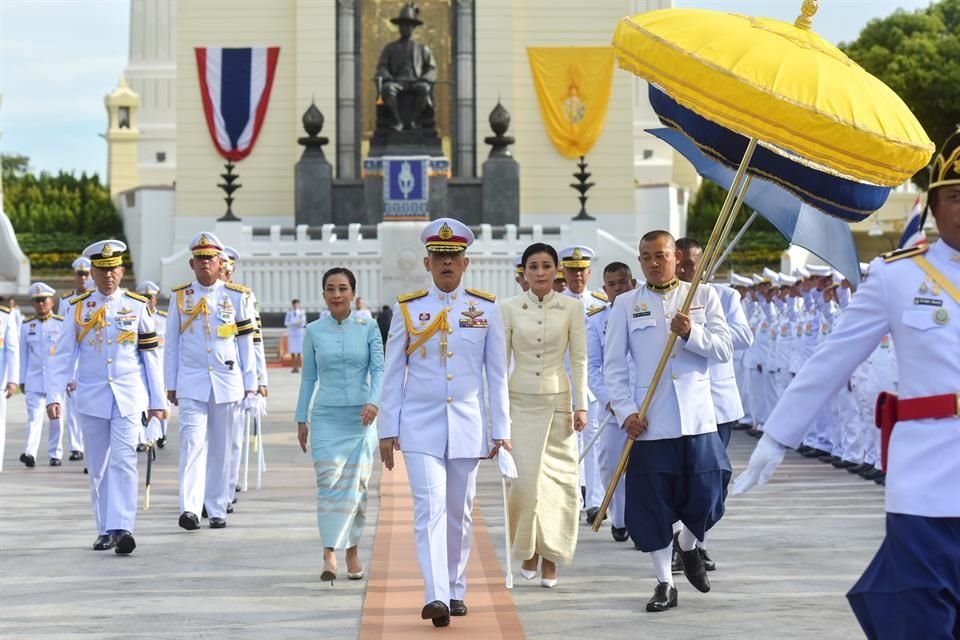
940	316
445	232
107	251
472	312
577	254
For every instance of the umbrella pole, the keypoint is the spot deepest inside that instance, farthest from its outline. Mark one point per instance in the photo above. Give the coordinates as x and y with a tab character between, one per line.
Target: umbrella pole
595	437
733	243
716	239
508	578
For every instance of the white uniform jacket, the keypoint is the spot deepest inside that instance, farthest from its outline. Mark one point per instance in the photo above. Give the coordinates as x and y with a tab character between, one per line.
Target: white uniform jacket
433	398
723	378
9	349
38	342
638	329
110	344
214	349
924	321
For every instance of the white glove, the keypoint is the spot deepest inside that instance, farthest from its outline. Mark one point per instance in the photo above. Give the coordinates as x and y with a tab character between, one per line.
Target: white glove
152	432
250	403
763	462
508	468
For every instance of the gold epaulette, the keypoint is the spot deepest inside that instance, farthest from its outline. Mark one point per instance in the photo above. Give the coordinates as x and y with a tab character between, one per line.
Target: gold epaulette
236	287
489	297
900	254
66	294
181	287
4	309
135	296
80	297
413	295
29	319
56	317
593	312
162	313
600	295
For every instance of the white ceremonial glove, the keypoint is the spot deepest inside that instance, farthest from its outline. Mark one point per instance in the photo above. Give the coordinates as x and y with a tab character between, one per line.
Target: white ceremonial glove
763	462
152	432
508	468
250	403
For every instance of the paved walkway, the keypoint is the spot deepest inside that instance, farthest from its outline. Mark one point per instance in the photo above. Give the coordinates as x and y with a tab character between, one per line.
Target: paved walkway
786	555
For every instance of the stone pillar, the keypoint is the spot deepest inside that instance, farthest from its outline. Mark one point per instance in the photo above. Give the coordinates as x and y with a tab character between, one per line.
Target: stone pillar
313	175
347	104
465	161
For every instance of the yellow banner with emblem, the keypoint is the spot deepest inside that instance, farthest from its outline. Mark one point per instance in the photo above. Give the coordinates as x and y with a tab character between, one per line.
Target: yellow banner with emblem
573	88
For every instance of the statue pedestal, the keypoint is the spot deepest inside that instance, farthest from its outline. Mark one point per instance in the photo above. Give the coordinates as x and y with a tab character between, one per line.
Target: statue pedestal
401	264
409	142
437	173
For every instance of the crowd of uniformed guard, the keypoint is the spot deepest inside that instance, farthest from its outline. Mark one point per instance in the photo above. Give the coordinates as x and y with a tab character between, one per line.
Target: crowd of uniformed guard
108	360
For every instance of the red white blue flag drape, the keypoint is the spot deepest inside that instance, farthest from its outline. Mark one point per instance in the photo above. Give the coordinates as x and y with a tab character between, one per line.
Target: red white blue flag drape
235	88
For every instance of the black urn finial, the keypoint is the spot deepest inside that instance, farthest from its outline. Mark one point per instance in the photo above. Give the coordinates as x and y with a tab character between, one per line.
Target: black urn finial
499	122
581	187
229	185
313	124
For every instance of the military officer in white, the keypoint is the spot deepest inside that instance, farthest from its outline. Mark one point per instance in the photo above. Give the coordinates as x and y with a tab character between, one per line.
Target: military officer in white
38	339
443	342
912	587
209	367
617	279
110	343
151	290
678	468
82	282
9	369
575	262
230	257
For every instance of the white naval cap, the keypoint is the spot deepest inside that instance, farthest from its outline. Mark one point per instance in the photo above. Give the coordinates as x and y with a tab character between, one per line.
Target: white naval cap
770	275
786	280
819	270
81	265
148	288
232	254
738	280
518	264
446	235
41	290
801	272
205	245
757	279
577	256
106	254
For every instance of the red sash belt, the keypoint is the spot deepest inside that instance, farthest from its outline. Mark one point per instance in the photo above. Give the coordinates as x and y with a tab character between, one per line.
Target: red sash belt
891	410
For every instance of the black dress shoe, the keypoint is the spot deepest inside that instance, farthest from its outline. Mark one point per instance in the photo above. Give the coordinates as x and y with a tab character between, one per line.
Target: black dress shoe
882	480
55	462
664	597
189	521
860	468
676	565
592	514
203	514
230	508
162	441
141	448
620	535
844	464
708	562
458	608
76	455
103	542
218	523
742	426
436	611
28	460
802	449
813	452
873	475
85	472
125	543
694	570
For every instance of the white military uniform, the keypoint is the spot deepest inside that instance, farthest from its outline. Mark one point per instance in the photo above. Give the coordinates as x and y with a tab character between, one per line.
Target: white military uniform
109	343
440	348
68	417
38	340
295	321
9	367
209	361
723	377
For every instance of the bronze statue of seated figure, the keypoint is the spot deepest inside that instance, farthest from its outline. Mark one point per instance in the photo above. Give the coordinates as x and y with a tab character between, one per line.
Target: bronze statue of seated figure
405	76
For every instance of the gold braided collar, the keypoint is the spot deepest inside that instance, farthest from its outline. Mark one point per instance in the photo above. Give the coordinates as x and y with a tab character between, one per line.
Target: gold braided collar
664	288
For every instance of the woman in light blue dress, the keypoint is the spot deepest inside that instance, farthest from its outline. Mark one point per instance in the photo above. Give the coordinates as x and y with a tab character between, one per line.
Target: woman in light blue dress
342	374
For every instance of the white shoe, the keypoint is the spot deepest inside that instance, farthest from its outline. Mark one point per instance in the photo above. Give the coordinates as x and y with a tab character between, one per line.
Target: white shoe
549	583
528	575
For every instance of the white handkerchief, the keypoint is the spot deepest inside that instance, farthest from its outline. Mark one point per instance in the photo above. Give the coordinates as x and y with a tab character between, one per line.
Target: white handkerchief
508	468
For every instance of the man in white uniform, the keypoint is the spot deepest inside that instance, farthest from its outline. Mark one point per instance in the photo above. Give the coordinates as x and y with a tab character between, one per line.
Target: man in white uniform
912	587
109	343
38	339
151	290
442	343
9	369
295	321
209	367
81	284
678	468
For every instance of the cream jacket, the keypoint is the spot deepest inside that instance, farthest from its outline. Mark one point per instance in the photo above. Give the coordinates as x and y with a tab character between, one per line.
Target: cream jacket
538	336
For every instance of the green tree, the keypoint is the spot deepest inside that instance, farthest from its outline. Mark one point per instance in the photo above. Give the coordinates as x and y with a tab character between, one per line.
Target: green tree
917	54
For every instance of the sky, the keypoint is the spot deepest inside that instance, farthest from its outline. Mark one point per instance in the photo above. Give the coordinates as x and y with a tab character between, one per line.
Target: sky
59	58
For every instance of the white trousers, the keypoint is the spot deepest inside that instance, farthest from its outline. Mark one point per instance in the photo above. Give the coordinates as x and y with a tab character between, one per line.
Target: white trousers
758	407
613	439
443	492
203	455
36	414
853	432
111	458
593	478
3	424
74	434
236	431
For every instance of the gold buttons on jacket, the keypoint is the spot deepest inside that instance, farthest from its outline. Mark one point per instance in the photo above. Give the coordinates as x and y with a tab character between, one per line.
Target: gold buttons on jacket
209	350
109	360
210	368
674	376
449	376
449	354
110	379
449	399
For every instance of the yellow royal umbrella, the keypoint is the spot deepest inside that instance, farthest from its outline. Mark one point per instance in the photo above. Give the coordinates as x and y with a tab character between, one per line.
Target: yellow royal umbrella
780	83
732	82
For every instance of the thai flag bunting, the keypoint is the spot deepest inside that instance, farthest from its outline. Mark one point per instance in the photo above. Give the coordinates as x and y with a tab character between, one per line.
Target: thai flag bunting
913	233
235	88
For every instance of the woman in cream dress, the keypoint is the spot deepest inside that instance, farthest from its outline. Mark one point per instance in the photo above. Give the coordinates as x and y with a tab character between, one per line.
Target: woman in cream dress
542	328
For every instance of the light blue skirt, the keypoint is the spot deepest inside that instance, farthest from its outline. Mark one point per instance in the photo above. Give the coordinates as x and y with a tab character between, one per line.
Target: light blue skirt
342	450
